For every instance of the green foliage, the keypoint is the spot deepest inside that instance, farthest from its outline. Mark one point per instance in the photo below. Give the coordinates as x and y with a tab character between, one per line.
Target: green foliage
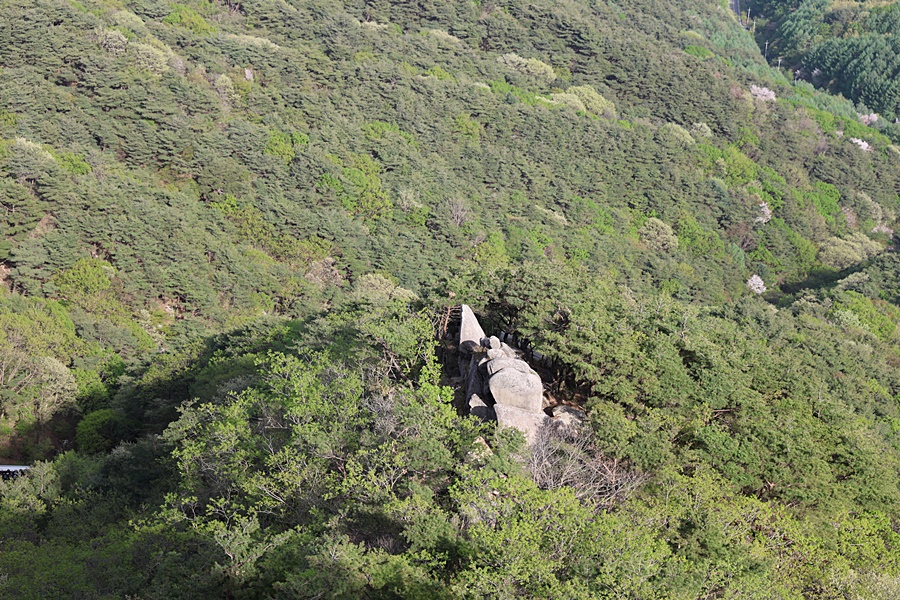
876	316
7	119
805	250
731	164
439	73
72	163
700	52
846	49
800	28
697	240
774	187
593	102
187	17
93	392
87	277
658	235
825	198
225	230
359	188
528	66
99	431
252	226
22	211
467	127
513	94
281	144
841	253
379	130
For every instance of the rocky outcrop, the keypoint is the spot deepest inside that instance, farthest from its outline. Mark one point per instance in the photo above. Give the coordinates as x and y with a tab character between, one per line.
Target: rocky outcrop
515	387
501	387
525	421
499	384
470	331
480	409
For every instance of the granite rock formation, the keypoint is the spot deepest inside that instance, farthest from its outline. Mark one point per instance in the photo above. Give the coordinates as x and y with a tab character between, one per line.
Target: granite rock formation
499	384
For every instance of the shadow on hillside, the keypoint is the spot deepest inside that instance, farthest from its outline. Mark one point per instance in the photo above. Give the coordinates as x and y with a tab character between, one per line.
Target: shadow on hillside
206	370
27	443
149	396
823	279
820	279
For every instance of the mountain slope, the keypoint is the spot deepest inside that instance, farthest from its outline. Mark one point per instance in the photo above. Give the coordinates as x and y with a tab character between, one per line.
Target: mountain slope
226	228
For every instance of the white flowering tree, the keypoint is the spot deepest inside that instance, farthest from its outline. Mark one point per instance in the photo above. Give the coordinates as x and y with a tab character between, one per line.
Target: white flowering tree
756	284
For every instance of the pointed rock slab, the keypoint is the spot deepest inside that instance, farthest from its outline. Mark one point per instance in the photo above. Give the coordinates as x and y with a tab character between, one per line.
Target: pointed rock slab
517	389
470	331
526	422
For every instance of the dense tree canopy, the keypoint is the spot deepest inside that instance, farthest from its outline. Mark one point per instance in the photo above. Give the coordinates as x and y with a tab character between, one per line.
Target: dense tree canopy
850	50
229	230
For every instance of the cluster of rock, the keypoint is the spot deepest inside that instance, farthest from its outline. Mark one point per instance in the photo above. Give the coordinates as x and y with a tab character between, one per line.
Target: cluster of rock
499	384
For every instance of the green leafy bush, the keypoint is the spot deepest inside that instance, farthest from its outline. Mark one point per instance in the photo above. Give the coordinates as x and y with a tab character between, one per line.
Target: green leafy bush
700	52
99	431
187	17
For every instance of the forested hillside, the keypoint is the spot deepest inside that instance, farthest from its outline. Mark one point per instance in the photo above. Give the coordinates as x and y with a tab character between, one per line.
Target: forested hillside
848	48
228	229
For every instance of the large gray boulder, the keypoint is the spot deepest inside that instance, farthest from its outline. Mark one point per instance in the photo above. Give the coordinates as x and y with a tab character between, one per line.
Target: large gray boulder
523	420
517	389
470	331
499	364
492	366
